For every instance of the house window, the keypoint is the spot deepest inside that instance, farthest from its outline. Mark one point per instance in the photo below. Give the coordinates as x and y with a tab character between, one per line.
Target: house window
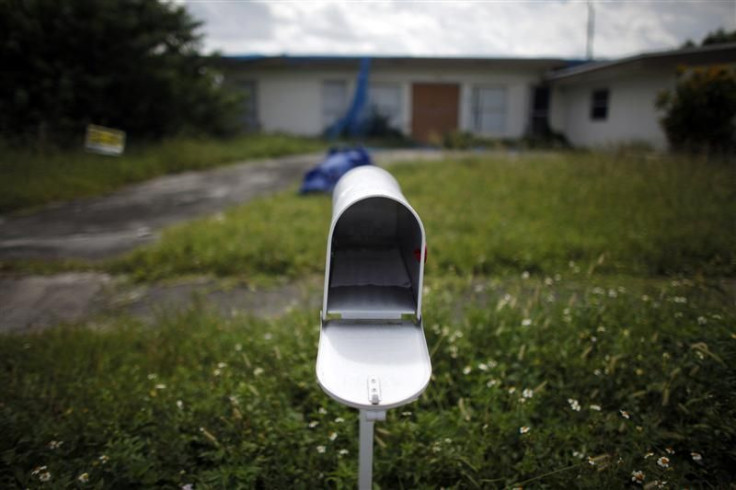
599	105
385	100
249	114
489	109
334	101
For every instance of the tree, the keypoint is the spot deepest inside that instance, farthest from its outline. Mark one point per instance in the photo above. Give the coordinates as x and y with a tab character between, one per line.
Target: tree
716	37
700	113
129	64
719	37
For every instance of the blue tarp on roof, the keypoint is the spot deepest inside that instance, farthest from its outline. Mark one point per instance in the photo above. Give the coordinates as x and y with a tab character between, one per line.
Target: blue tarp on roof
324	176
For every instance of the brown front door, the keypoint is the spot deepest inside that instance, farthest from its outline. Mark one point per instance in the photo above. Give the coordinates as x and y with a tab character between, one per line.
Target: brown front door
434	110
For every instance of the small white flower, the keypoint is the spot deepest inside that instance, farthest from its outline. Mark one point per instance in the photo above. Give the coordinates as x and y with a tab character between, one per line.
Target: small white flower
524	429
152	376
322	410
221	365
648	455
574	404
548	281
313	424
258	371
624	414
612	293
669	450
702	320
83	478
45	476
180	404
512	390
160	386
526	322
340	420
680	300
696	456
188	486
467	370
527	393
596	408
638	477
578	454
343	452
333	436
663	461
53	445
217	372
406	414
482	366
525	275
491	383
645	298
37	470
103	459
321	449
234	399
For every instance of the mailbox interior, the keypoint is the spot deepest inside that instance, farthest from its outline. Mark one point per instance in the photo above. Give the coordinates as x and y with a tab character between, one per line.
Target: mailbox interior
376	267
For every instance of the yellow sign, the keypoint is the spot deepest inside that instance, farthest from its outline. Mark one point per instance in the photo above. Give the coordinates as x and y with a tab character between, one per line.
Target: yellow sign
104	140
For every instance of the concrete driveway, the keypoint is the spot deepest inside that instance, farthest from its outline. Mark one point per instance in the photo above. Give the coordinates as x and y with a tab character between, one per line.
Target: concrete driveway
101	227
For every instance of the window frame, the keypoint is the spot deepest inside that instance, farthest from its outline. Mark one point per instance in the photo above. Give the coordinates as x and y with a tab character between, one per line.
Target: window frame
330	115
394	115
600	103
477	111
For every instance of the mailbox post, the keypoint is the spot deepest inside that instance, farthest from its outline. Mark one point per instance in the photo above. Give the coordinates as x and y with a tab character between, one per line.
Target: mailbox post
372	352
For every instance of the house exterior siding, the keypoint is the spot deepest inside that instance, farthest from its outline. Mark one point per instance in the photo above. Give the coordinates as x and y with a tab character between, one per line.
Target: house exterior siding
494	95
632	115
291	101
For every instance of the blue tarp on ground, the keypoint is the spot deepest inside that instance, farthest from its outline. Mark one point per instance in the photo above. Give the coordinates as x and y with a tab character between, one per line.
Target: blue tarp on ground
324	176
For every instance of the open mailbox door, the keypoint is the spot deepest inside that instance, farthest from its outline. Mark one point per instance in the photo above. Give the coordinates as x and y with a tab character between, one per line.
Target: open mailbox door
372	351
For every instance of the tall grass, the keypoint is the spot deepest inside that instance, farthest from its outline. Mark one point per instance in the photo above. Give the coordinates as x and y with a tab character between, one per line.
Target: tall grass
31	178
487	216
536	384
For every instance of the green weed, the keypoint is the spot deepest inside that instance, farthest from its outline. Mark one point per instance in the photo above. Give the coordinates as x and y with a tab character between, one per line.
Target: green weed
36	178
536	384
542	214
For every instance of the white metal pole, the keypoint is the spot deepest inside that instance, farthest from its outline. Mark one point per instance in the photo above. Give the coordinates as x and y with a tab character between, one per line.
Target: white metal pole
365	458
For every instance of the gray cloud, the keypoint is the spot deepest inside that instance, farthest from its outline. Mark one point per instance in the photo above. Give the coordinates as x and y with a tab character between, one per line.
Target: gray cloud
457	28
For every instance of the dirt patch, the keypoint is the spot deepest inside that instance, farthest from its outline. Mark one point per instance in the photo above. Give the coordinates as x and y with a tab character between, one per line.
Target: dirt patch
34	303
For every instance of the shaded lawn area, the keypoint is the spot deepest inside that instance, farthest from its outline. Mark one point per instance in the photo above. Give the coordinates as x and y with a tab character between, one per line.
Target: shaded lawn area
35	178
490	216
579	313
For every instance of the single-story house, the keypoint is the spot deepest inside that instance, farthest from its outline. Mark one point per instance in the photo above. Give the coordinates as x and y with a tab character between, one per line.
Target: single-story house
590	103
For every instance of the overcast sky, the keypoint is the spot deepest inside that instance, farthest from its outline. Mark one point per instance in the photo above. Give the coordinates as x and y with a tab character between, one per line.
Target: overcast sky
506	28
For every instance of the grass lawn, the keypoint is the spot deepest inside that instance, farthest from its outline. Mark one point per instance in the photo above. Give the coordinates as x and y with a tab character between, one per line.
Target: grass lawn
579	312
35	178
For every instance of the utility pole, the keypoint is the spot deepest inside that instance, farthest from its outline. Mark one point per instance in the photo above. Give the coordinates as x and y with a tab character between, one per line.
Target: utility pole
591	31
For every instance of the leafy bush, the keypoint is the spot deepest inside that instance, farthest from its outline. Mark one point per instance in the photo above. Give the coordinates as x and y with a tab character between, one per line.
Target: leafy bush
701	111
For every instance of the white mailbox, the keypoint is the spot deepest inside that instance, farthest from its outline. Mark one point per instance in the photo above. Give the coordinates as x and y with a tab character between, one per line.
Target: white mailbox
372	351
